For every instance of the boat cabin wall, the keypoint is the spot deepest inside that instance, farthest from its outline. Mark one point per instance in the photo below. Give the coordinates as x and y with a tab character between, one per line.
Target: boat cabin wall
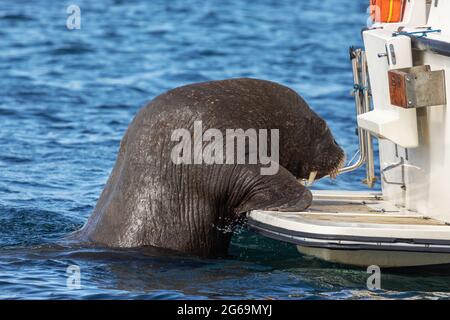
416	177
429	177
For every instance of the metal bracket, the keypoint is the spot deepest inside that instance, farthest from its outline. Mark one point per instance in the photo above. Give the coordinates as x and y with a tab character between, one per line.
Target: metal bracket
393	166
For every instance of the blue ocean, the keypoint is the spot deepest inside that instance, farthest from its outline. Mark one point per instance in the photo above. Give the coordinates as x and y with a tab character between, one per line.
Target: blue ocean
68	95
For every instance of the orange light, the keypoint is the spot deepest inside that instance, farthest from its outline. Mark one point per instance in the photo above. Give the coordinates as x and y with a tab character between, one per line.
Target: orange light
386	10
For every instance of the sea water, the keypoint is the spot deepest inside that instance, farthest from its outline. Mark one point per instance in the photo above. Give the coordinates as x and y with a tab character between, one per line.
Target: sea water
68	94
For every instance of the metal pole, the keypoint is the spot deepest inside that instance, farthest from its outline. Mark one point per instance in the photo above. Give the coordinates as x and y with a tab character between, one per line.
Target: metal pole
370	162
355	54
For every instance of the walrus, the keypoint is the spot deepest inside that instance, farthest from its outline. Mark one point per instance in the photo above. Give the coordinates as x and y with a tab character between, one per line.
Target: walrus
152	199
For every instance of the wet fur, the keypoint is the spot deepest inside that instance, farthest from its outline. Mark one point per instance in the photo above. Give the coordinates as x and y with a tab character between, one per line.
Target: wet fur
149	201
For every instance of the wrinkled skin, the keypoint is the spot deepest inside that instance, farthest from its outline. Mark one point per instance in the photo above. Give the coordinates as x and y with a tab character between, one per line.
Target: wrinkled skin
150	201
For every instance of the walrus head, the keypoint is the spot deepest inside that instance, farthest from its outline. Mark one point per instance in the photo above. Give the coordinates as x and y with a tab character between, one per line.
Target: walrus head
326	157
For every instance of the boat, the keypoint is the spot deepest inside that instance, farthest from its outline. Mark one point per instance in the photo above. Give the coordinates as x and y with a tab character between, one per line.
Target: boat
400	88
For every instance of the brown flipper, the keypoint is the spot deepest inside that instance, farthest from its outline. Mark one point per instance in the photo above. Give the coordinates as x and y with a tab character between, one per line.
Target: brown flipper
279	192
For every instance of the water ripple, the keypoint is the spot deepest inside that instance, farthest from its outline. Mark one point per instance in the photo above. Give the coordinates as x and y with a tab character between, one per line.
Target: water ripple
68	96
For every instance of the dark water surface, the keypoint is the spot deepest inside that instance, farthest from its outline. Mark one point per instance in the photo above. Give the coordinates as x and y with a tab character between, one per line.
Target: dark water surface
67	97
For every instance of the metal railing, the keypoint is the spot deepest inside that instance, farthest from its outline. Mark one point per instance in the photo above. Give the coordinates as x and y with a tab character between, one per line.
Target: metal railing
362	105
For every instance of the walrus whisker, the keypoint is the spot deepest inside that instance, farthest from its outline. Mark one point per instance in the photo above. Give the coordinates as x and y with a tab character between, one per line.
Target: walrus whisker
334	173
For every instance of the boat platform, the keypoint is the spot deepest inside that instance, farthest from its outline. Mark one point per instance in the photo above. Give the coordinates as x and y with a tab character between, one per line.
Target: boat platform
359	229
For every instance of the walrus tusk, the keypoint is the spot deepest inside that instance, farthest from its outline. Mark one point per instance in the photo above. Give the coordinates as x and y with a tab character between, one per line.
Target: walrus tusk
312	177
310	180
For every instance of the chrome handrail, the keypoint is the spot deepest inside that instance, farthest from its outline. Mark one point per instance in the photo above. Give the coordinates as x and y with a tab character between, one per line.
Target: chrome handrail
362	105
370	161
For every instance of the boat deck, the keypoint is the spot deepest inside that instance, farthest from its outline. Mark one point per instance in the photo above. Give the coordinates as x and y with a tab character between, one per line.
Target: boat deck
354	220
362	212
358	229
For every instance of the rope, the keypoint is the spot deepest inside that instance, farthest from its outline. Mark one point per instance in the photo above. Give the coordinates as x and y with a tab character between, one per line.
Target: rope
359	88
353	158
420	33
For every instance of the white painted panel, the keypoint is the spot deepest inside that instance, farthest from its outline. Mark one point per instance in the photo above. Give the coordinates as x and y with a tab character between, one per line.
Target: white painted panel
440	16
394	123
428	172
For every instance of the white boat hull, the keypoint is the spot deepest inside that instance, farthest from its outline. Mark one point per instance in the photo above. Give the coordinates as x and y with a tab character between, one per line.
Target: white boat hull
380	258
358	229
